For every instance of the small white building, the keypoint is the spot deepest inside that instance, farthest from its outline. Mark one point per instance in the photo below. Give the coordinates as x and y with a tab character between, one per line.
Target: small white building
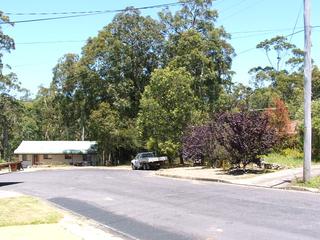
57	153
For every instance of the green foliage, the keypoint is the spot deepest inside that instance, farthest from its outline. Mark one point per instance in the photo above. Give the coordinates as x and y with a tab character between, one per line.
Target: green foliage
104	127
6	42
201	48
141	81
287	161
315	127
315	83
138	71
312	183
111	133
290	152
278	44
48	114
166	108
218	155
122	57
170	149
283	77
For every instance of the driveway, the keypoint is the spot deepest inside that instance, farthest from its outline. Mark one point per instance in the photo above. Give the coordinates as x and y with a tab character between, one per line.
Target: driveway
144	206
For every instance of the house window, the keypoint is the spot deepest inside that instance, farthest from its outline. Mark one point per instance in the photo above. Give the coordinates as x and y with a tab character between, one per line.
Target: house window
67	156
24	157
46	156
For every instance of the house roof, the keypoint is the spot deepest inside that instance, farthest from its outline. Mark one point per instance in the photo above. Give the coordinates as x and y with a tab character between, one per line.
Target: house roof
56	147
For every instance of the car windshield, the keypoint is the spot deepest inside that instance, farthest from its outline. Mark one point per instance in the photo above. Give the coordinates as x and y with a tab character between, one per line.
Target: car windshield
145	155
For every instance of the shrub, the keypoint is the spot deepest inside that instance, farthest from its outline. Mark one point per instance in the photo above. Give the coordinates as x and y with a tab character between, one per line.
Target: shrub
217	156
294	153
247	136
196	143
240	138
279	118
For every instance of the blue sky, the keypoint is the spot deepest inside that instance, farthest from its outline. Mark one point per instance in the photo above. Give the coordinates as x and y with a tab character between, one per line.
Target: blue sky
33	61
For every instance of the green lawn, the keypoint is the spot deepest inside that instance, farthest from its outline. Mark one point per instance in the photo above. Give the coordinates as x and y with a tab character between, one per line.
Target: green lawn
26	210
284	161
312	183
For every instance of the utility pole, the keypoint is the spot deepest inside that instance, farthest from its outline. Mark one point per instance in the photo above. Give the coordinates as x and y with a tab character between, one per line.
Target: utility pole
307	93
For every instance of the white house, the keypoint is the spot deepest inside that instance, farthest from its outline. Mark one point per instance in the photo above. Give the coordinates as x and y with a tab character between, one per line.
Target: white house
57	153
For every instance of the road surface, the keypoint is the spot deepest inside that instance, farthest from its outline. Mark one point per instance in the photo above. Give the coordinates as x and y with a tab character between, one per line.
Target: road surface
147	207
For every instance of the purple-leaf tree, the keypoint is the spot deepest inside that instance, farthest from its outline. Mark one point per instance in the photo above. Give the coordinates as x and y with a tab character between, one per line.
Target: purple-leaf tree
244	136
247	136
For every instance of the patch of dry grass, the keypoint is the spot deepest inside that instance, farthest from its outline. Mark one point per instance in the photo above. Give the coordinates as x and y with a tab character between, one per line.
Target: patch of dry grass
27	210
312	183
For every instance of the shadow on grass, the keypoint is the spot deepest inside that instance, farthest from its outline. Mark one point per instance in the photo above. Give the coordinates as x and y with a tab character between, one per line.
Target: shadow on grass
239	171
2	184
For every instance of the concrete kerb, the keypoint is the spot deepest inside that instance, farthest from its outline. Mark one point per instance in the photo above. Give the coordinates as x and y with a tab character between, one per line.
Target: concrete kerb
291	188
305	189
194	178
212	180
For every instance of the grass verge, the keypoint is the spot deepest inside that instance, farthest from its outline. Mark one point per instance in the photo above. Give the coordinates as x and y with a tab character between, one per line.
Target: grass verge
312	183
26	210
285	161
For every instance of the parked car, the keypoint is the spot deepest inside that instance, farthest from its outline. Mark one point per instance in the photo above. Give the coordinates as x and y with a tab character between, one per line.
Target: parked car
147	160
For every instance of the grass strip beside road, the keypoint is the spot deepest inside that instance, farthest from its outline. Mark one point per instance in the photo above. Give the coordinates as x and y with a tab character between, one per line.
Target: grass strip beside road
312	183
27	210
284	161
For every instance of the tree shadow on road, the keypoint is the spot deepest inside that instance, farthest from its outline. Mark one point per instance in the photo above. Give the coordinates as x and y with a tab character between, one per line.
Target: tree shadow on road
2	184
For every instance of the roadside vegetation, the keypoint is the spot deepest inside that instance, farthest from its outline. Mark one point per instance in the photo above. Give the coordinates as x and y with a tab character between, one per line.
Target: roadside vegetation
288	158
312	183
165	85
26	211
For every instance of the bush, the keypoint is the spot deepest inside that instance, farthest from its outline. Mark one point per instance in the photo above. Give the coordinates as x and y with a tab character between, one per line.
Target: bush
280	121
246	136
217	156
196	143
294	153
240	138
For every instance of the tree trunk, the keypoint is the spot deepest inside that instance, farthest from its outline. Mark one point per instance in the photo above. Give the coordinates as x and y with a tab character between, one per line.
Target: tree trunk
5	143
181	159
109	159
103	158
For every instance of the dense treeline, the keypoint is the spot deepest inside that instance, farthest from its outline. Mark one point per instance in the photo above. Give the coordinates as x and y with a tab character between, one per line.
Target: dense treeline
142	82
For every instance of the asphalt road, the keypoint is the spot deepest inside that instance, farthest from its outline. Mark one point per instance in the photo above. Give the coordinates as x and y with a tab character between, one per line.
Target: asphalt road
147	207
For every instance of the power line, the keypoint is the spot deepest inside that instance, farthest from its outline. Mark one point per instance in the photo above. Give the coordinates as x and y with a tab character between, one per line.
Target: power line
232	6
261	32
293	30
241	10
240	53
50	42
89	13
294	33
252	35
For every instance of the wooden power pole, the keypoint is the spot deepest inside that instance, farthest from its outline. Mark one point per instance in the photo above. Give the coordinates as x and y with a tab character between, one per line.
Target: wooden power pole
307	92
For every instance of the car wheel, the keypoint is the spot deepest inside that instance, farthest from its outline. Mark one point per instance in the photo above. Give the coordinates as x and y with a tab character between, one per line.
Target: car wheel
133	167
145	166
